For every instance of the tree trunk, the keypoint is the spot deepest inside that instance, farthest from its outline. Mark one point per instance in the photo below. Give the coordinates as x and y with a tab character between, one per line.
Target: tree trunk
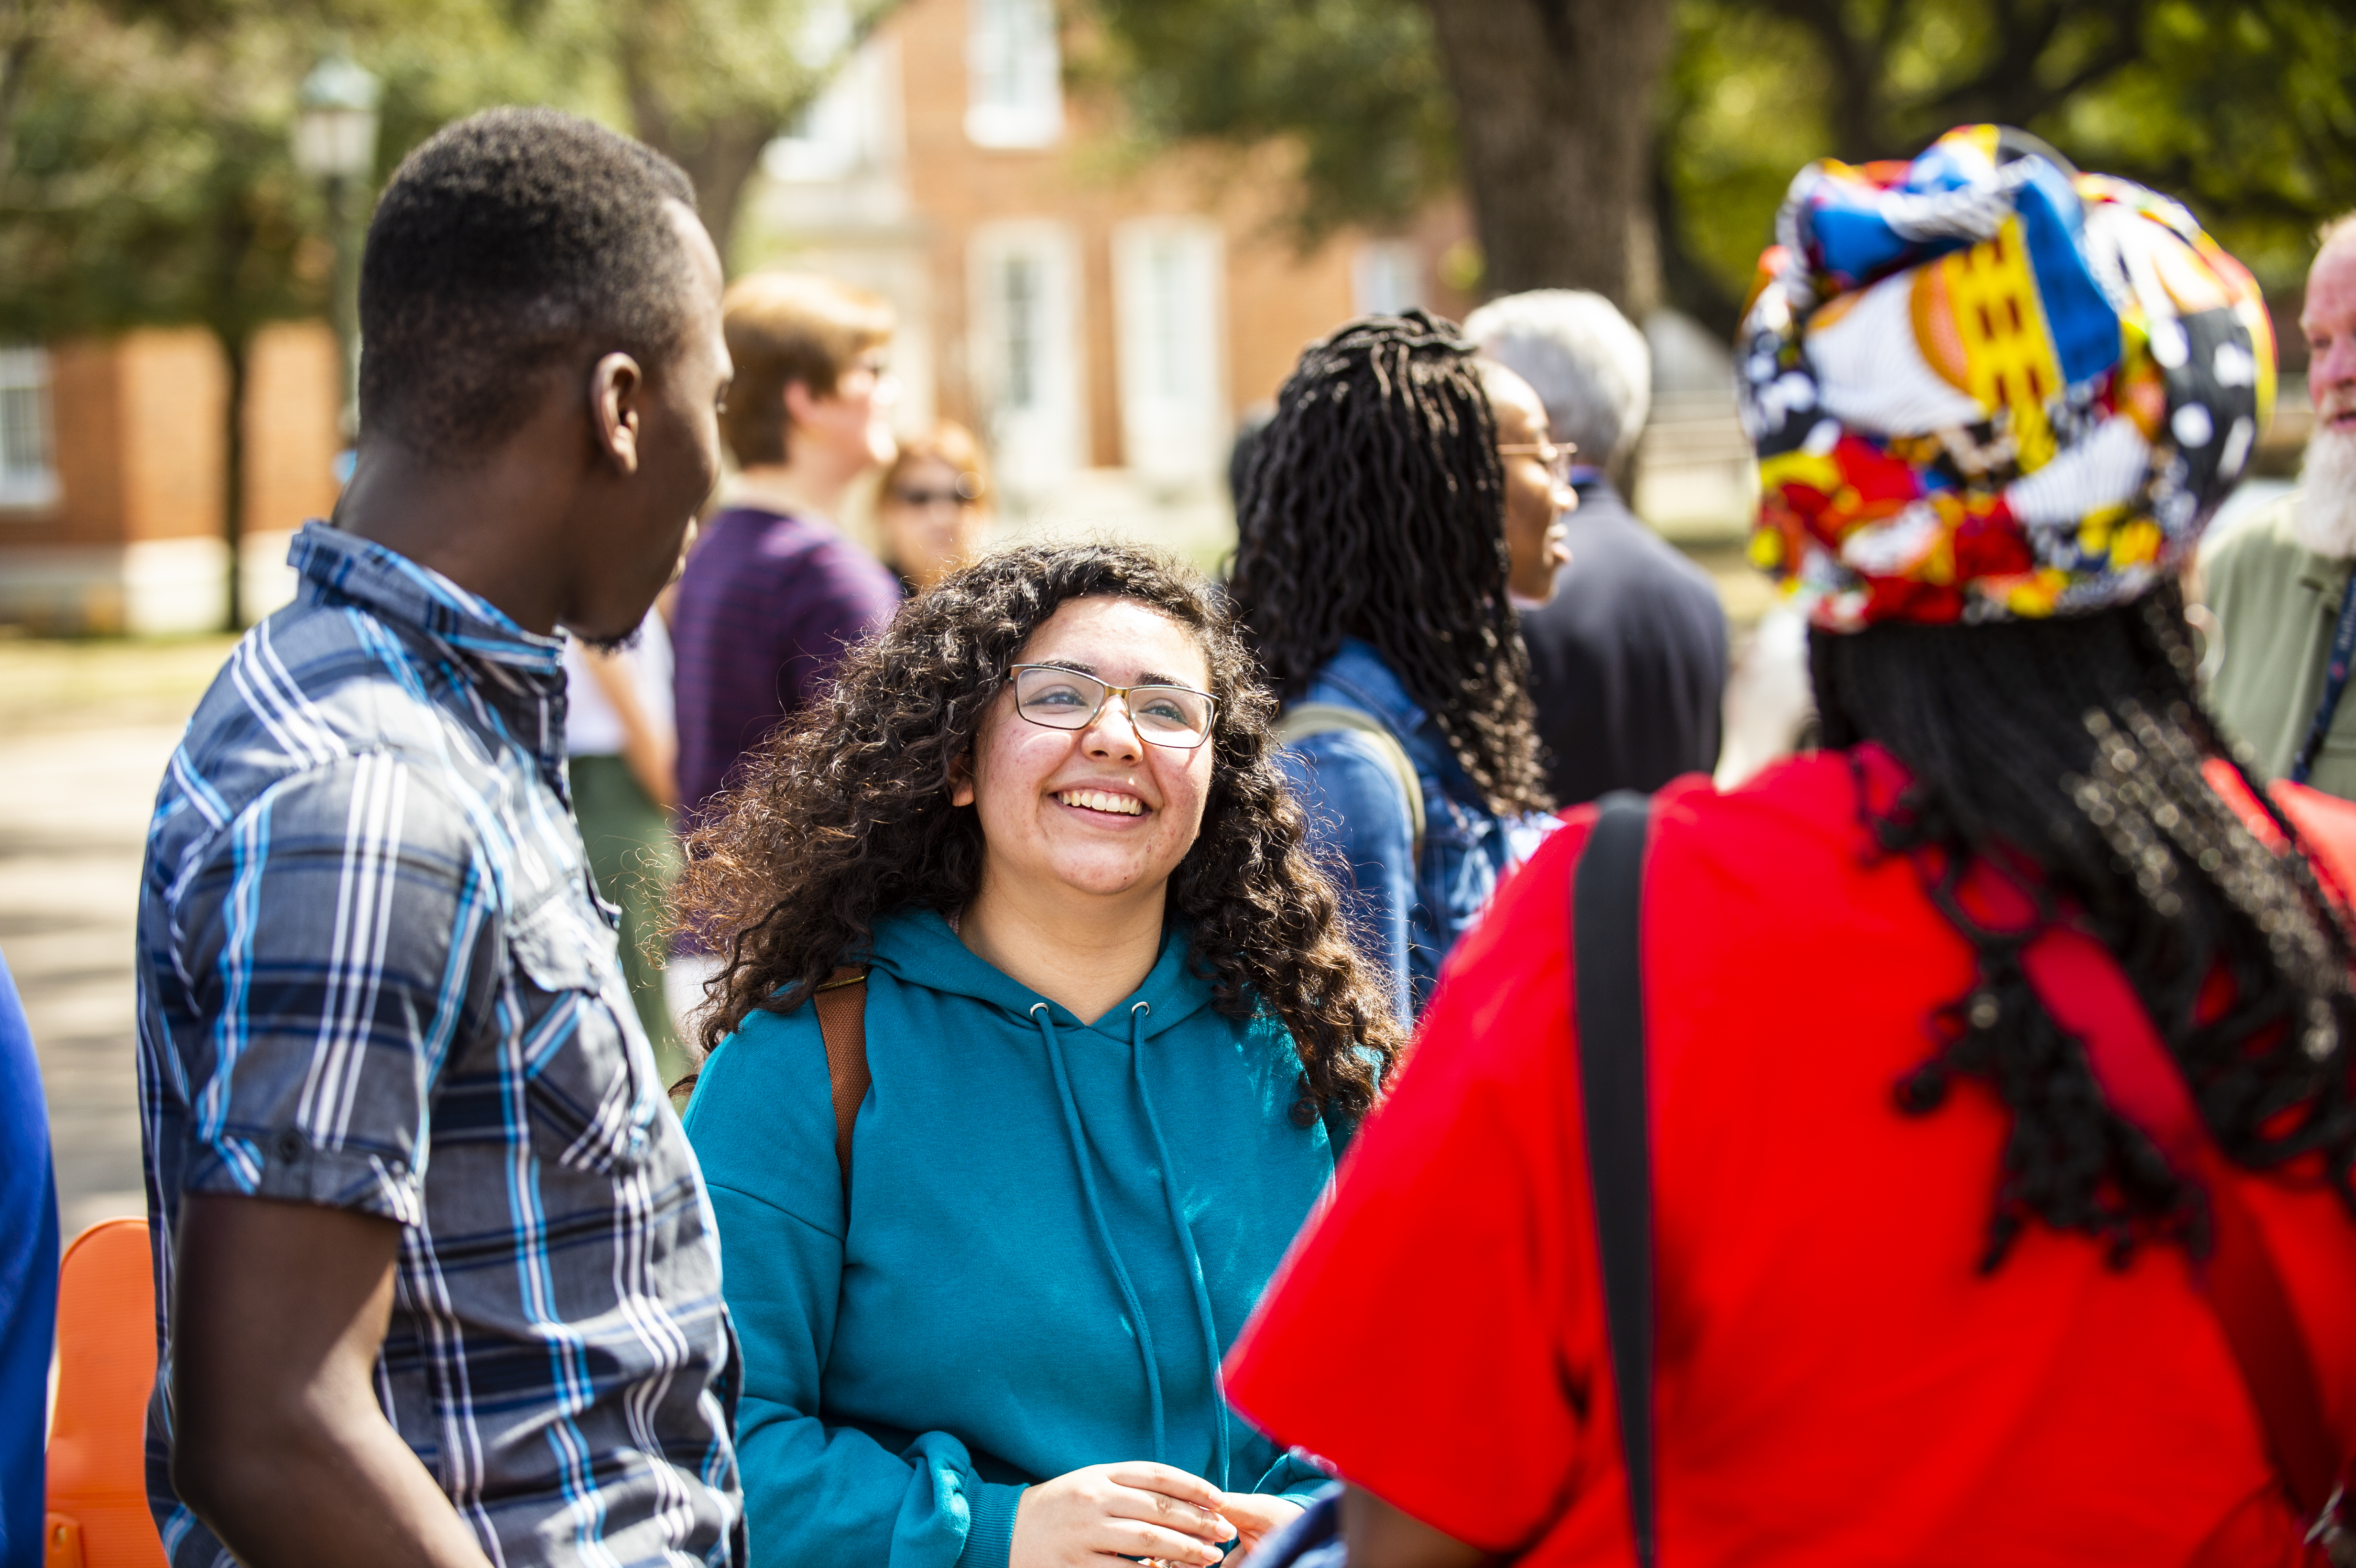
1554	104
24	24
236	351
719	154
720	162
15	62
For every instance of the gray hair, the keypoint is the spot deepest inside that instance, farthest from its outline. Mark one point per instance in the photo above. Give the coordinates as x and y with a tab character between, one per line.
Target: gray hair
1588	365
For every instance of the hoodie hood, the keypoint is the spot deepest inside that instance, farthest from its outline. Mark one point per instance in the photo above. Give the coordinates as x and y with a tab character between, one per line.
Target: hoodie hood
918	948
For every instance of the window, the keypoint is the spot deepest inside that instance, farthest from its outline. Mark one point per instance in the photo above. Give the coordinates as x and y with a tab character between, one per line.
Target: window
1020	292
849	129
1014	74
1168	287
1385	277
1026	349
29	475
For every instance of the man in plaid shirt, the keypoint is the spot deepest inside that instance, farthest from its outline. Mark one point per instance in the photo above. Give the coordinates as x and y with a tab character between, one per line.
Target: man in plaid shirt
440	1272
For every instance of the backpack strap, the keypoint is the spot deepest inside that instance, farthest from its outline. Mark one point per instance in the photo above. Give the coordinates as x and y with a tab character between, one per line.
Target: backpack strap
841	1003
1339	1130
1303	719
1608	1008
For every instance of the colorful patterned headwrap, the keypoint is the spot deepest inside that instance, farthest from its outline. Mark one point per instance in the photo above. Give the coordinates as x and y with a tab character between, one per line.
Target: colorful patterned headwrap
1982	385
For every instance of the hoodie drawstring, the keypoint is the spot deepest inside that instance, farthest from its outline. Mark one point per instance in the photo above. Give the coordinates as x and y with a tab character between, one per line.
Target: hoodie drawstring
1045	1016
1185	1232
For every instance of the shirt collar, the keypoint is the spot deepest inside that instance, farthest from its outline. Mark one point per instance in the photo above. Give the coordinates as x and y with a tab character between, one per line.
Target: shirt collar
399	590
2324	573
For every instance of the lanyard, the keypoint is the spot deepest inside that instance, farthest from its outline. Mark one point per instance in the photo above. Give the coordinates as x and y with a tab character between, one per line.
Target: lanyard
2335	683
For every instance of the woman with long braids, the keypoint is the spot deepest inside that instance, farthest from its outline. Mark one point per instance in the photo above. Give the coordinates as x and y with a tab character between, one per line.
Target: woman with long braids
1108	1038
1402	495
1977	1091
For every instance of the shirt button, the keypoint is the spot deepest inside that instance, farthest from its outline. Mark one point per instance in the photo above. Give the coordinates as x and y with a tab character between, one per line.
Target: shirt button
290	1146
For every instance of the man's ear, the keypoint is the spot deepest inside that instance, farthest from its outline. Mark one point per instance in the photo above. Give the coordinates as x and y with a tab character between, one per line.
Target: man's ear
800	401
617	390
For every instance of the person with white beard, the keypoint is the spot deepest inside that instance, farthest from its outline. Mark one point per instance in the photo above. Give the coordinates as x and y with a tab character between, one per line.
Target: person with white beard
2280	586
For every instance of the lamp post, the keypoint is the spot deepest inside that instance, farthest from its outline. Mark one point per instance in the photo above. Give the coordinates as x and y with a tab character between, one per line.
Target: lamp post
335	140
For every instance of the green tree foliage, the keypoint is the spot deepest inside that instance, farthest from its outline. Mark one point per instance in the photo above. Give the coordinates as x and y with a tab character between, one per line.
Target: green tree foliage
149	174
146	172
1355	84
149	178
2245	108
138	138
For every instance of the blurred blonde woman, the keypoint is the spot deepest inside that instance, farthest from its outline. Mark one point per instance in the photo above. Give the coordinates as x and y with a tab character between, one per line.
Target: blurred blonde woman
934	510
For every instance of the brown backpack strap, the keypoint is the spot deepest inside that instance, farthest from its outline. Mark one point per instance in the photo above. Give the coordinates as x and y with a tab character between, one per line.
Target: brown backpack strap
841	1003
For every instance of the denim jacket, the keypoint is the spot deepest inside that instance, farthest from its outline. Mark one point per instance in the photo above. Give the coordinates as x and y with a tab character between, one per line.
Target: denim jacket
1404	913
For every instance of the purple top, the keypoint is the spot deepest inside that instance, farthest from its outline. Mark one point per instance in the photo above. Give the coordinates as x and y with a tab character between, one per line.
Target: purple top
766	606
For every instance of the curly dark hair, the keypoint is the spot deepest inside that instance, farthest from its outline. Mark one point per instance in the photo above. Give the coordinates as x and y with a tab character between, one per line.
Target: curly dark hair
844	816
2077	744
1373	506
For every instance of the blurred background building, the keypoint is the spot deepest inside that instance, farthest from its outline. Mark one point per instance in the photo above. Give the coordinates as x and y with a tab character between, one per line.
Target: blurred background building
1108	226
1100	308
111	458
1101	311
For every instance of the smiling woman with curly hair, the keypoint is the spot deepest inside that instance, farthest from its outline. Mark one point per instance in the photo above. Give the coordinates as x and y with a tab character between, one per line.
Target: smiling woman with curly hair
1115	1035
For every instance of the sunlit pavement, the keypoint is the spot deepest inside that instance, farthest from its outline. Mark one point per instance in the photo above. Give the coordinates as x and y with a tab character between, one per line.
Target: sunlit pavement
85	731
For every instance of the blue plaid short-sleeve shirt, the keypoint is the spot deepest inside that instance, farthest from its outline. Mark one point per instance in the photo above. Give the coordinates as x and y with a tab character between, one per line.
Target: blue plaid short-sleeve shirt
374	974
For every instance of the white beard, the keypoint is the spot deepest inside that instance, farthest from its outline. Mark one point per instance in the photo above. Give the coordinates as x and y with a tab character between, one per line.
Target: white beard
2323	518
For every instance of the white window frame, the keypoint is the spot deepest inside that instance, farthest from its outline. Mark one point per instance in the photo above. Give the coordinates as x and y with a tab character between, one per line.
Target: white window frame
1014	74
1385	277
849	129
1170	304
28	469
1024	348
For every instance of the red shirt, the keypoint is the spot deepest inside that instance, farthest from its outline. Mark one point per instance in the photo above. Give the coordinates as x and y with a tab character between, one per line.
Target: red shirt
1837	1382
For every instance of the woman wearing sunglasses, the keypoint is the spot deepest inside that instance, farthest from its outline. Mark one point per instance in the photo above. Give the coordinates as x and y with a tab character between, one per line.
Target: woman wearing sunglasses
1114	1034
934	511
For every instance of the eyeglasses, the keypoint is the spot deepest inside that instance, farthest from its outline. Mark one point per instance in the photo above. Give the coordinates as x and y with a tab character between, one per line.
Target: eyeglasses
1174	716
965	492
1557	457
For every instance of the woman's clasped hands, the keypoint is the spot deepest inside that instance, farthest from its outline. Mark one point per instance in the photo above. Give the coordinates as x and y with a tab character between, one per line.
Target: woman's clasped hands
1139	1510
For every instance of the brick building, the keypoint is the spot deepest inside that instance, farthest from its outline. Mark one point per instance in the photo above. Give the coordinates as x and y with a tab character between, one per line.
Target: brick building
110	476
1099	315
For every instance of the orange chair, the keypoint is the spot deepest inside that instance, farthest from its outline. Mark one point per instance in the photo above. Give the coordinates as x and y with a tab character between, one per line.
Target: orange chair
98	1514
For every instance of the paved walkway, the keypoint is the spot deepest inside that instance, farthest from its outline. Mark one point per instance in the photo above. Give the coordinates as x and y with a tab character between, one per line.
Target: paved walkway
85	730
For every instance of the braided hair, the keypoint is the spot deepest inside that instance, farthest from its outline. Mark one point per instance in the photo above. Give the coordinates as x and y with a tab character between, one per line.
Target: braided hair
1373	506
2077	744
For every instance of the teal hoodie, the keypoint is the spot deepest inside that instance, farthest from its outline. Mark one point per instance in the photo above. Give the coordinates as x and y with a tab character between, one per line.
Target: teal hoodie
1054	1232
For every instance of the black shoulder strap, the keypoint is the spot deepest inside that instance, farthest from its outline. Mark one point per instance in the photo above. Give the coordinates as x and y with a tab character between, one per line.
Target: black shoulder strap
2335	684
1608	1007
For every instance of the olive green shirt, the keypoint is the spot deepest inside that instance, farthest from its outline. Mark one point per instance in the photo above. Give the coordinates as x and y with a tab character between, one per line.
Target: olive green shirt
2276	602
